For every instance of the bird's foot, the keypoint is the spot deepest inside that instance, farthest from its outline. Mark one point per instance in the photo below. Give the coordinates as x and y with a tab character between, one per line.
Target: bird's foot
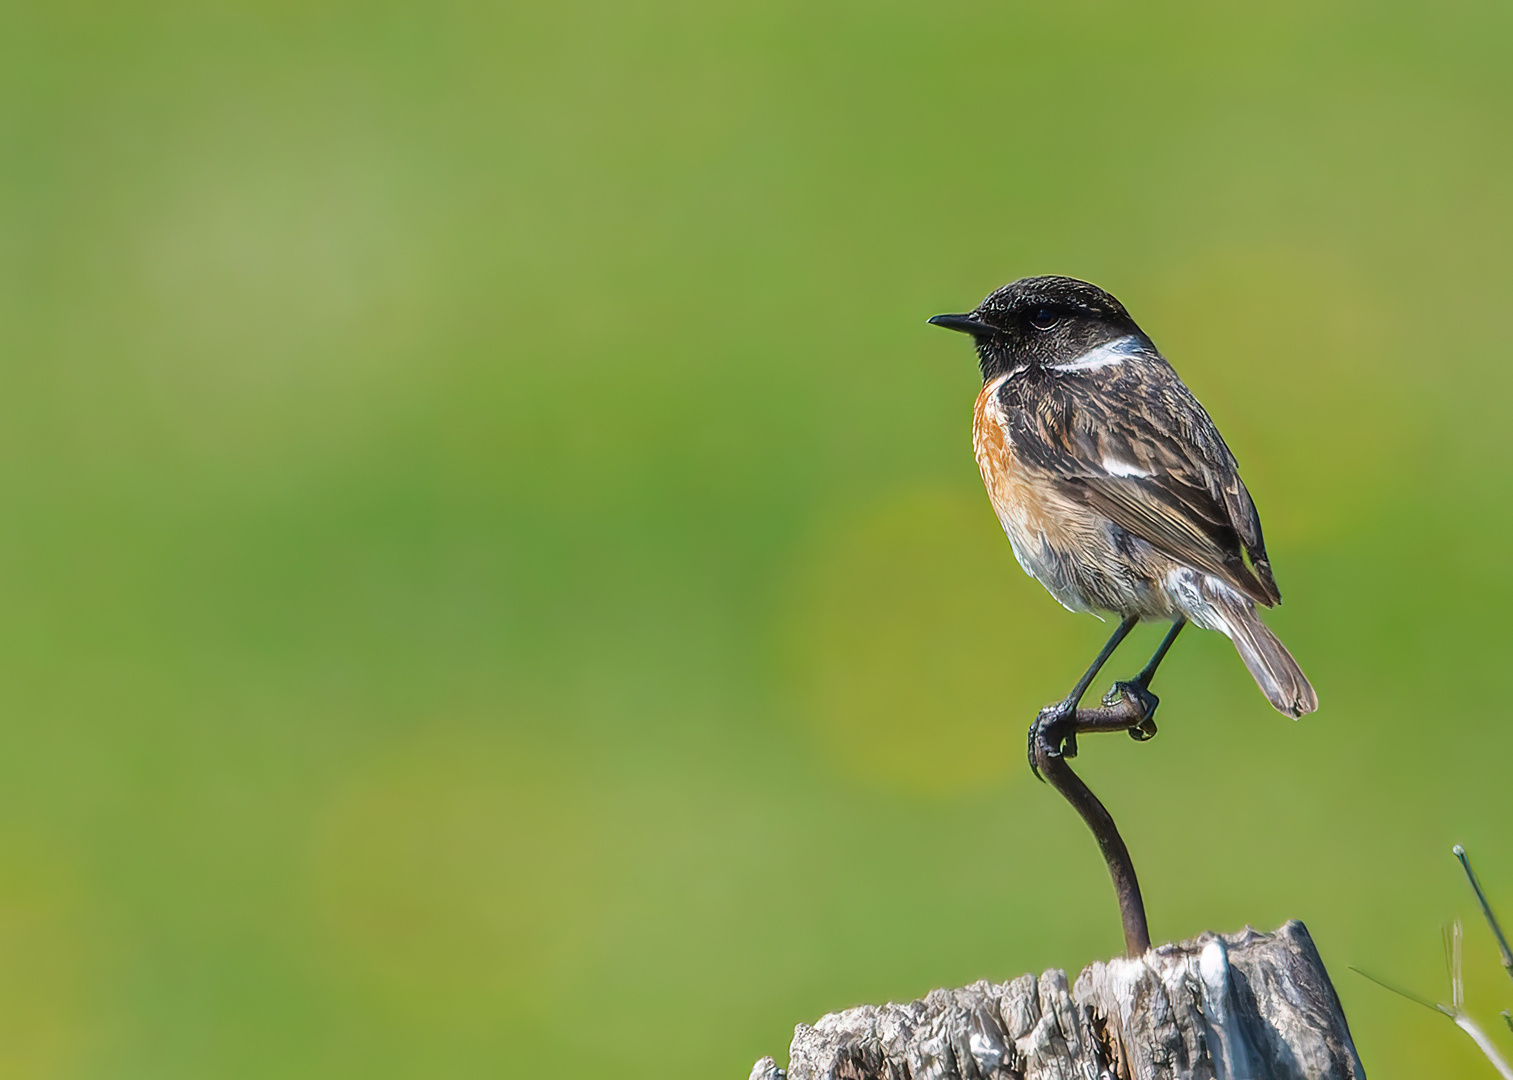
1055	731
1138	693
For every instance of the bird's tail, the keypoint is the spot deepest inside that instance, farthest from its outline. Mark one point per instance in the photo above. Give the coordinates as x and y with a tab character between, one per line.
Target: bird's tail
1270	664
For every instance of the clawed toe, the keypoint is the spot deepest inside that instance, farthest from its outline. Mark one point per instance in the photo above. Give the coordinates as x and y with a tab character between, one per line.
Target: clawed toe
1135	691
1143	731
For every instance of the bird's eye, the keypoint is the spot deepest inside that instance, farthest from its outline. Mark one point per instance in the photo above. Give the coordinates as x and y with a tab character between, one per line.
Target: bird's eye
1044	319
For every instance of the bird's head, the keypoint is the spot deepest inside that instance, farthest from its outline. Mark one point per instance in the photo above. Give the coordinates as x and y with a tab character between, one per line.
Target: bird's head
1040	321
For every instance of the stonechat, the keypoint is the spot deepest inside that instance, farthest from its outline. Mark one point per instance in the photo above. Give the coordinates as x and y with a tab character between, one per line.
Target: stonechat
1115	488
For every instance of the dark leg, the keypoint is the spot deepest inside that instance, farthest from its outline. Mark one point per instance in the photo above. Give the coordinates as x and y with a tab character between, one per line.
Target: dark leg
1149	671
1138	688
1054	721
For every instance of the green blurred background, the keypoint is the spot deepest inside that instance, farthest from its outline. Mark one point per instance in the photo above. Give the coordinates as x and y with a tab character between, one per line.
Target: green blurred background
493	579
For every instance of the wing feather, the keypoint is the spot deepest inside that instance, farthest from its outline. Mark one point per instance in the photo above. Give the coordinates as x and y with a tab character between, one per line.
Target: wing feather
1132	443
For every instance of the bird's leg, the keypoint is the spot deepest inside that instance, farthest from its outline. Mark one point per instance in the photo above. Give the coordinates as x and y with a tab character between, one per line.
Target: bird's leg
1138	688
1056	724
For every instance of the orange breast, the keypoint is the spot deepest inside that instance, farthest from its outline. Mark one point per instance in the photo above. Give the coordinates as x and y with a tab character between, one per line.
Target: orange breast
1028	507
1008	489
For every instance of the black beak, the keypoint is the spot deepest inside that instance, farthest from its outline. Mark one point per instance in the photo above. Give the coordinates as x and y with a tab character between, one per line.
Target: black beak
966	324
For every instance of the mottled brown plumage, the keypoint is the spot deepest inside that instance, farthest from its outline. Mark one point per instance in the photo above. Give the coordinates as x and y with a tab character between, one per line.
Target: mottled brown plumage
1191	502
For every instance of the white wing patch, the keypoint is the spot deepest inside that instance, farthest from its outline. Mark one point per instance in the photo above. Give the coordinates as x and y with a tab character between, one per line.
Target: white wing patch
1106	355
1115	467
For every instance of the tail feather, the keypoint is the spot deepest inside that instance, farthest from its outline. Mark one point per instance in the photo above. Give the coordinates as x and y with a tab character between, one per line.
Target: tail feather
1270	664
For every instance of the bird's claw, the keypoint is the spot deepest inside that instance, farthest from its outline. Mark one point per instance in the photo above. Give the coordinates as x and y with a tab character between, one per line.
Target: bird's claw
1135	691
1053	727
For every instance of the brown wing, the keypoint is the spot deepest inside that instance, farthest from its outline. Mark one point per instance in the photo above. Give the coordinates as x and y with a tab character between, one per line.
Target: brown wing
1131	443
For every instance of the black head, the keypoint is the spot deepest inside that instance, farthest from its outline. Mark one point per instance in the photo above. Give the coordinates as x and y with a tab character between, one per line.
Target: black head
1039	321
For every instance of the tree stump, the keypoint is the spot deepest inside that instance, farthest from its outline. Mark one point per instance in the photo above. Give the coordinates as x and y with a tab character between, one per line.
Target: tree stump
1246	1006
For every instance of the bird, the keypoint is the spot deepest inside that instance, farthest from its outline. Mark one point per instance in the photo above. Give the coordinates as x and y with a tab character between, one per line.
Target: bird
1115	488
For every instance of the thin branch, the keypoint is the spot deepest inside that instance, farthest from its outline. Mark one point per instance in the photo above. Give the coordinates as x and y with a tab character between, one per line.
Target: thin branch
1486	910
1456	1011
1451	936
1400	992
1471	1028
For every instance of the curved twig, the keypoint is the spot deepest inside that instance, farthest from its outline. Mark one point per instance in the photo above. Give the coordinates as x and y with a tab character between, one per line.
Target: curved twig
1121	716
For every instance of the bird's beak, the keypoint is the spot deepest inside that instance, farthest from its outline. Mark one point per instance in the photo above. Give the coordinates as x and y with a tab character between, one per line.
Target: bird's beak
966	324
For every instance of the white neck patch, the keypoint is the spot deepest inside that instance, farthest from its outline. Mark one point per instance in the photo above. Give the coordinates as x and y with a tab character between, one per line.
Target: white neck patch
1109	354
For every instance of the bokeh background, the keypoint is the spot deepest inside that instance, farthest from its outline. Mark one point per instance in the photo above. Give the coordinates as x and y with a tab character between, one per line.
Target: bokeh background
493	579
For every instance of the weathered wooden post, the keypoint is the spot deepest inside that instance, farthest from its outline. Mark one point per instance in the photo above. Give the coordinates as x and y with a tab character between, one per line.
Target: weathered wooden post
1247	1006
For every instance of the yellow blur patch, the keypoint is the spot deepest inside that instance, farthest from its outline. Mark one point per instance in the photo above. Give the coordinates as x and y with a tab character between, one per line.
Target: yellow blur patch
46	1021
462	878
920	649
